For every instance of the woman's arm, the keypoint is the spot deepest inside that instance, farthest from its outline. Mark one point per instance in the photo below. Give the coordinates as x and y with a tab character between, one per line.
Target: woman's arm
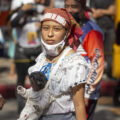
51	4
78	99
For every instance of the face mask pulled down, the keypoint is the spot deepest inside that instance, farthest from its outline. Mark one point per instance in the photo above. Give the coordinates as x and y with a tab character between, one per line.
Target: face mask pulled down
53	50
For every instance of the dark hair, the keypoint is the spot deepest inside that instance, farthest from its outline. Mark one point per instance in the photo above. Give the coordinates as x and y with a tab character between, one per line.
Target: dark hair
39	78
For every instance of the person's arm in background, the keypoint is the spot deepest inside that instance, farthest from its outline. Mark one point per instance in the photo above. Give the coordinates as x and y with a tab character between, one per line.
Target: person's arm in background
93	44
2	102
18	18
51	5
110	11
78	99
10	33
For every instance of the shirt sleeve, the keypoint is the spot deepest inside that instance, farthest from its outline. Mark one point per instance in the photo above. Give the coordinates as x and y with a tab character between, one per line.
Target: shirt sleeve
75	72
93	44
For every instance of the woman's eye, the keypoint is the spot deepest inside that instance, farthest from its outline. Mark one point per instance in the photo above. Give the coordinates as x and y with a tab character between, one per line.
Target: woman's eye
57	29
45	28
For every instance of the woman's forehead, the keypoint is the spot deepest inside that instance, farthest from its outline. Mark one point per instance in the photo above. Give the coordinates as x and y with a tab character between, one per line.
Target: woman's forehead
51	23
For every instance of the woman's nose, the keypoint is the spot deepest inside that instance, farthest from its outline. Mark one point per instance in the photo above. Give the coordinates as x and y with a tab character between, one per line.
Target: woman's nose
51	34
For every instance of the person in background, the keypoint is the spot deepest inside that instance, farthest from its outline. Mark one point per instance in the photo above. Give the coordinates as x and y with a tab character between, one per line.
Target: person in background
11	47
92	49
116	48
2	102
11	51
65	69
25	18
103	11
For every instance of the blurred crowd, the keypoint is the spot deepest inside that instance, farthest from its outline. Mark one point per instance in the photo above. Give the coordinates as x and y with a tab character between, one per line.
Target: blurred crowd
19	38
103	14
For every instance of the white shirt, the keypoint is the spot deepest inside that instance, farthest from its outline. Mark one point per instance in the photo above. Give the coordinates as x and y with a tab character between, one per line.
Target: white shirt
72	70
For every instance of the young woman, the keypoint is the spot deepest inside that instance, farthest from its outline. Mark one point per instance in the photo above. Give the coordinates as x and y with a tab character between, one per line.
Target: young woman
64	68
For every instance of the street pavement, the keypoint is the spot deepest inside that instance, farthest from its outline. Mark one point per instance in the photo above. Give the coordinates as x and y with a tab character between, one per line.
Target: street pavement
105	109
102	112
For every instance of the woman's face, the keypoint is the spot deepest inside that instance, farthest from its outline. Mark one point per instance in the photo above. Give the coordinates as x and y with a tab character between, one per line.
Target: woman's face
52	32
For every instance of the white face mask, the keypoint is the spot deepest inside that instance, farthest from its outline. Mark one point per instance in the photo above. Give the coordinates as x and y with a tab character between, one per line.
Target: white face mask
53	50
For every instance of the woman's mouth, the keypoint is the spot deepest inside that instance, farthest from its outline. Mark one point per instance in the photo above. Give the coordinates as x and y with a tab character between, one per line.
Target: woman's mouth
50	41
